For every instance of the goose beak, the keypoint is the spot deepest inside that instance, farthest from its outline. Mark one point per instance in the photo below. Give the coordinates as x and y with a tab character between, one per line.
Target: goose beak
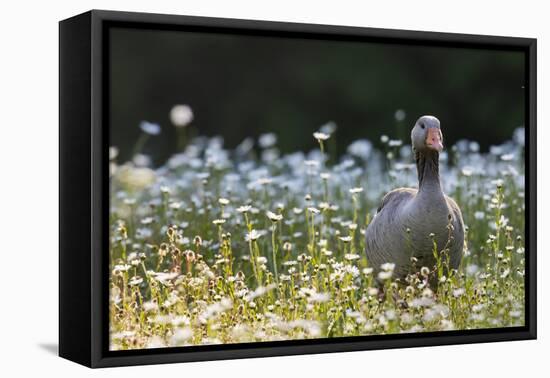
434	140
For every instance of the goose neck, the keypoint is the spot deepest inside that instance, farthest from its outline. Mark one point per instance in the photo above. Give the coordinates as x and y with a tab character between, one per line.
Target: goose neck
427	164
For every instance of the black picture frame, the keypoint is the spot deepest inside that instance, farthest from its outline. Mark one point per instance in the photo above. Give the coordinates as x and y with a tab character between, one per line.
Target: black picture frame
83	195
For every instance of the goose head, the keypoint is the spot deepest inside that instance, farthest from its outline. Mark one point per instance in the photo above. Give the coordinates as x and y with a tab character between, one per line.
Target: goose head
426	135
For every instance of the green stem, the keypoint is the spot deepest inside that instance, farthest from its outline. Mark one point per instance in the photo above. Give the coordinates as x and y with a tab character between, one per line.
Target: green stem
138	147
274	252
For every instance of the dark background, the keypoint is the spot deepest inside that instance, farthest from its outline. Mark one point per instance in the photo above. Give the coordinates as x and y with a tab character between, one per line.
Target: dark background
241	86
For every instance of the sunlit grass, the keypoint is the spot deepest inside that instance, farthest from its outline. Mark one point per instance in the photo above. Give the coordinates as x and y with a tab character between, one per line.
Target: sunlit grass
221	246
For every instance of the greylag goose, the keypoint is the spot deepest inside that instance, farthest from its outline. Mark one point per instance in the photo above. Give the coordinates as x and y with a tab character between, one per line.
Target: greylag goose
409	221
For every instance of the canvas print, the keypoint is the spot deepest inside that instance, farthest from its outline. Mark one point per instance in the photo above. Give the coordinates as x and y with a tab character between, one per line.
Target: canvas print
268	188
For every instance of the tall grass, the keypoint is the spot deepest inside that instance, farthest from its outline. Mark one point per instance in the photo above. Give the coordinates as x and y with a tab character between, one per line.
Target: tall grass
220	246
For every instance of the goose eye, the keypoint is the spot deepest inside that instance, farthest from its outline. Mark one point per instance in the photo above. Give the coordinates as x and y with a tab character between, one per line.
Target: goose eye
422	126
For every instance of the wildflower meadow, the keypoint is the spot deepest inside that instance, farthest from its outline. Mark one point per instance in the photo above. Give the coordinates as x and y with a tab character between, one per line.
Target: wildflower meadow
233	245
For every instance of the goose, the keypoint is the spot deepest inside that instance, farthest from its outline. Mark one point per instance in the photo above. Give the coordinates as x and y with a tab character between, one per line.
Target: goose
409	221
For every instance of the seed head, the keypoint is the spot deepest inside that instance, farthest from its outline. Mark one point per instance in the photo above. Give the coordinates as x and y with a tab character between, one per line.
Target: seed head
181	115
197	241
189	255
274	217
313	210
320	136
149	128
424	271
244	209
345	239
253	235
388	267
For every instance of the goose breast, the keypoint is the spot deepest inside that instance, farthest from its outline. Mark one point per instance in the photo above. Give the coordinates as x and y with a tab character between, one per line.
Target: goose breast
402	229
